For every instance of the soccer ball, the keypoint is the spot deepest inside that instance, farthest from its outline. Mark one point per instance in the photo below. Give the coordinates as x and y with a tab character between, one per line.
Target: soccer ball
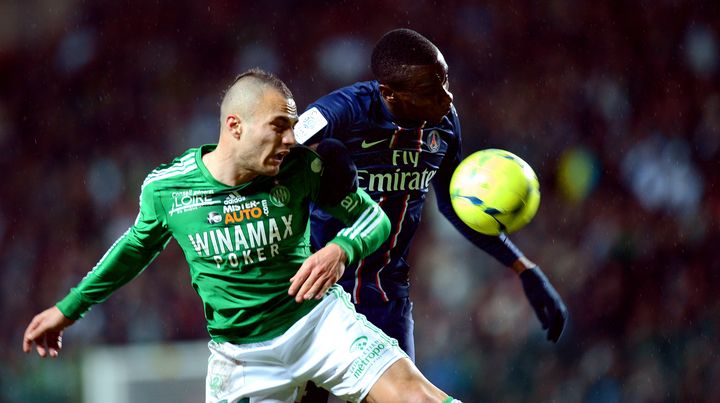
494	191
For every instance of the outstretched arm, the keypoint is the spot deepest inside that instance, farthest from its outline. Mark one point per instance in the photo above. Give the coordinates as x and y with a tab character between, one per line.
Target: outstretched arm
45	331
125	259
543	297
541	294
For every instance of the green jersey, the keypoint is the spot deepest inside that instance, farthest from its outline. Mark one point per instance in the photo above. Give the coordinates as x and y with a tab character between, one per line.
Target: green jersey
242	243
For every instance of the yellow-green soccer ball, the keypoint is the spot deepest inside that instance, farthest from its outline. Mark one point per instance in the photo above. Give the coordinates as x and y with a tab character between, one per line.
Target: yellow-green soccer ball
494	191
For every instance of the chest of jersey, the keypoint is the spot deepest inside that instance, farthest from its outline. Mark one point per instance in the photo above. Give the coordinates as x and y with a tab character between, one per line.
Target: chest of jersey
237	226
403	160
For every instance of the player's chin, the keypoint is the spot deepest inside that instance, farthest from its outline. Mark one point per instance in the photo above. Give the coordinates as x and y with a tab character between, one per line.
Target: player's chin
272	164
438	117
271	169
435	120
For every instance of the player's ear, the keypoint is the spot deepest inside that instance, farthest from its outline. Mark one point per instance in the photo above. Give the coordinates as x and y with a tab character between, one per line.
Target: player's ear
233	123
387	93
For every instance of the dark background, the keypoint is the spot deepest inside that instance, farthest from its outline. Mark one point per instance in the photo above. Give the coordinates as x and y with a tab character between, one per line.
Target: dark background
615	104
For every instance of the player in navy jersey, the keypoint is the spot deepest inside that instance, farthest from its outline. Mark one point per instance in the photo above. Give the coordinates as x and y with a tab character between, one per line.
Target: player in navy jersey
404	134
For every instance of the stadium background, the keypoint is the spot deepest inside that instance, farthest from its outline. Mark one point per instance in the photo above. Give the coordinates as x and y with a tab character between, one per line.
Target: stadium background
615	104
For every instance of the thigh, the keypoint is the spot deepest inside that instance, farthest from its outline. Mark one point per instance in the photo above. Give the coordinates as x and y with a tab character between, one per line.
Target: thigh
395	319
403	382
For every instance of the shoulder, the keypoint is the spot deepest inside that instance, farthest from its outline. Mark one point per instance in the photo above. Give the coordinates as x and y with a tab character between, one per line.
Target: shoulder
363	88
176	170
338	111
302	158
355	95
358	89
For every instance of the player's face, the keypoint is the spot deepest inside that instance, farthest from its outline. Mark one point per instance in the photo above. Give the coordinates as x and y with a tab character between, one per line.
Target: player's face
424	95
269	133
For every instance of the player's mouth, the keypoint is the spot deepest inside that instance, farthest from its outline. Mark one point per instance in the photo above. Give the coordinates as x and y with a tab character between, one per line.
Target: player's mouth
278	158
446	110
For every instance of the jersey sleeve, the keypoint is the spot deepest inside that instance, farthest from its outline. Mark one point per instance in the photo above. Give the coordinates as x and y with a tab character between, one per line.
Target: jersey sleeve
125	259
367	225
333	113
500	247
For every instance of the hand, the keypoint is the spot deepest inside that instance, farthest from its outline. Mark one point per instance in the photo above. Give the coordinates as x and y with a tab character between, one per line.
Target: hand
318	273
45	330
546	302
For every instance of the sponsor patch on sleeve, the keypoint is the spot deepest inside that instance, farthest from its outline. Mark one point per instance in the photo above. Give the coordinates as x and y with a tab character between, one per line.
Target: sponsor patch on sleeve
309	123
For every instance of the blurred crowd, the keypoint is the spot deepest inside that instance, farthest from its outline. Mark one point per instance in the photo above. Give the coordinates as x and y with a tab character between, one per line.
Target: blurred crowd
615	104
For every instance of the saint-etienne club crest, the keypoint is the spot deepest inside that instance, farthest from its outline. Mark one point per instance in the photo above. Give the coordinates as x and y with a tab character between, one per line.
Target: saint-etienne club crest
279	196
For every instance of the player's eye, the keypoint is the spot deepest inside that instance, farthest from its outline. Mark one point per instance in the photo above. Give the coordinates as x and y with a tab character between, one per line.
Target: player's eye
279	126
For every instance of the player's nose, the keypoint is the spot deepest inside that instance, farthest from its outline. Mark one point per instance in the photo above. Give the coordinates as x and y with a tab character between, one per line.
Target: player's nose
288	137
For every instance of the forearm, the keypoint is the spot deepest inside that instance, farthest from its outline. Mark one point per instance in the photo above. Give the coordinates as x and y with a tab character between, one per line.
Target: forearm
500	247
121	263
368	226
522	264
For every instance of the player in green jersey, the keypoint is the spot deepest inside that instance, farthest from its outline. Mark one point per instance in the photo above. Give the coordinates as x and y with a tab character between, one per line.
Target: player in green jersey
239	210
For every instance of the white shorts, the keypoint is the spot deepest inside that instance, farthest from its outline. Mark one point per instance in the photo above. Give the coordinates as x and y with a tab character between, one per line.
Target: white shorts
333	346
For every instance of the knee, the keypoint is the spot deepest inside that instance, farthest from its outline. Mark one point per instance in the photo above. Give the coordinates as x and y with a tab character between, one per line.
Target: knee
415	391
419	394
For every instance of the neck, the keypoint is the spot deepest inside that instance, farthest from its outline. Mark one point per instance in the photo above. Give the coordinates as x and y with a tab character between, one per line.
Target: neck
224	167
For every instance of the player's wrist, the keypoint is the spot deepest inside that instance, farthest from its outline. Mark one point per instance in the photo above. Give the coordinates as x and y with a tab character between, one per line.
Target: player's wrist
73	306
522	264
340	250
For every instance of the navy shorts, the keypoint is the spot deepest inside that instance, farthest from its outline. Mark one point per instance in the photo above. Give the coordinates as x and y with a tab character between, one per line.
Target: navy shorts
395	319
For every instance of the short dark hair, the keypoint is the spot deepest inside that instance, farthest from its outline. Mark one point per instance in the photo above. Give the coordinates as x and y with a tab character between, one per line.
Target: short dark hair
400	48
266	78
257	79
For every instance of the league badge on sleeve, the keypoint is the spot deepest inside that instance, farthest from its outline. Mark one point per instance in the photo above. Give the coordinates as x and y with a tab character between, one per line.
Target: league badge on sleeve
309	123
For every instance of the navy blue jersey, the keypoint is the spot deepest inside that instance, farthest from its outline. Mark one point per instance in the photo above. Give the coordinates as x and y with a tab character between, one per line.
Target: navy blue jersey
395	166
